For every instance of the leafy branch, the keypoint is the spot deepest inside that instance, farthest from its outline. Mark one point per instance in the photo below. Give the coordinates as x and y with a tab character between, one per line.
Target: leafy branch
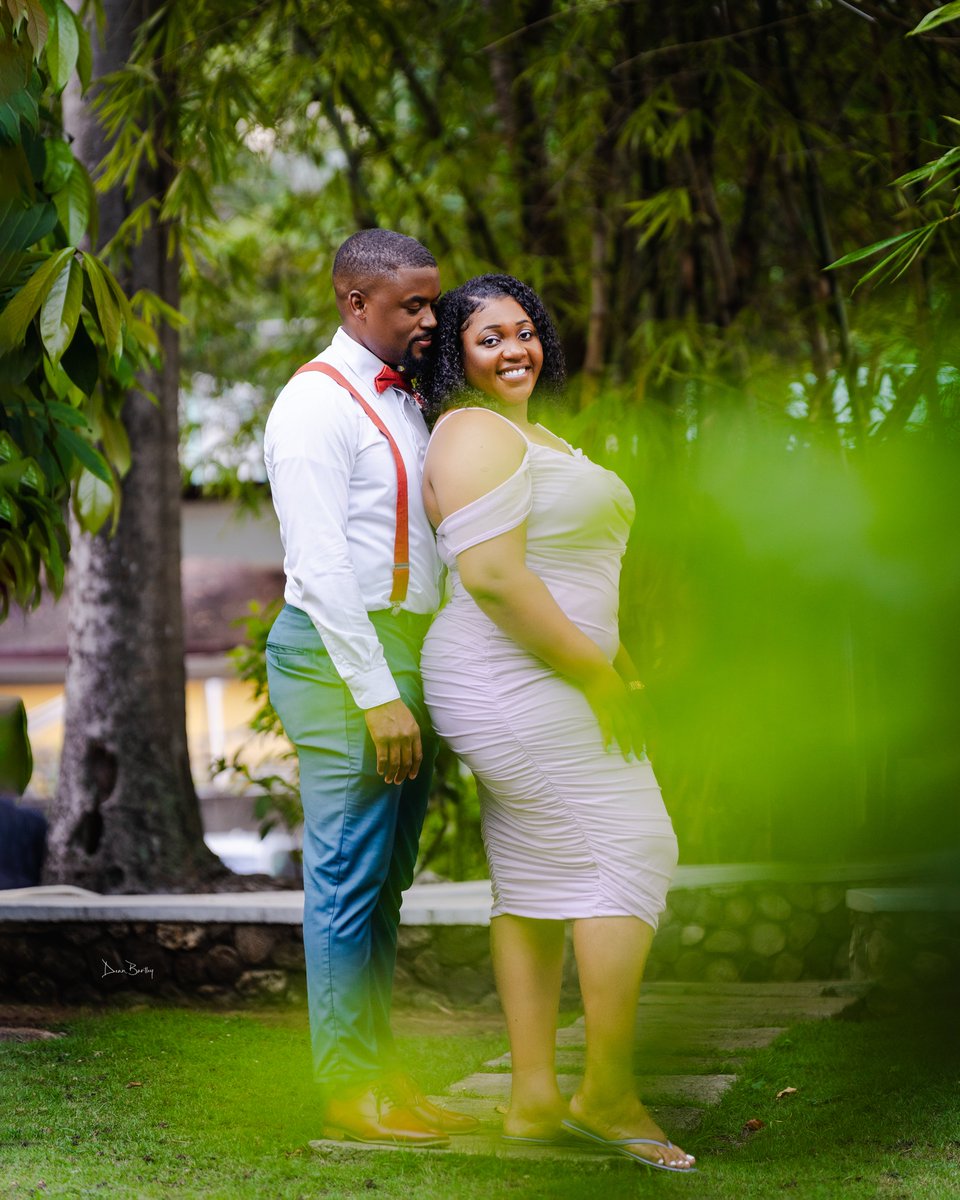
70	341
903	249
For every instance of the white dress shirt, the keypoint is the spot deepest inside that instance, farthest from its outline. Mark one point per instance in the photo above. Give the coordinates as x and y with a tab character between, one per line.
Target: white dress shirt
334	485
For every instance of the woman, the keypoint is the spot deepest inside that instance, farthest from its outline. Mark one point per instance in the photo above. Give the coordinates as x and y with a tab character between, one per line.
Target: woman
526	680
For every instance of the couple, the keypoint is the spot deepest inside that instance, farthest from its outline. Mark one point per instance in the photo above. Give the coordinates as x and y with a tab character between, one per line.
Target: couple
522	674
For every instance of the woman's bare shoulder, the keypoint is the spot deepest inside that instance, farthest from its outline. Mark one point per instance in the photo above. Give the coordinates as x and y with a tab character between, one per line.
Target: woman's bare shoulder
471	451
478	434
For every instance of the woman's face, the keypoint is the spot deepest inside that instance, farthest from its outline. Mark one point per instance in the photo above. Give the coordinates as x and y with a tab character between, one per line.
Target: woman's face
502	355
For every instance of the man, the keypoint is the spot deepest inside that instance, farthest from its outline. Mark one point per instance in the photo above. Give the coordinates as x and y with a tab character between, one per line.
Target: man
344	454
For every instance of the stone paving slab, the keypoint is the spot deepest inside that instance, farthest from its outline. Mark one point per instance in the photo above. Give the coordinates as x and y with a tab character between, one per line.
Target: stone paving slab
569	1060
797	987
689	1037
487	1144
658	1089
735	1007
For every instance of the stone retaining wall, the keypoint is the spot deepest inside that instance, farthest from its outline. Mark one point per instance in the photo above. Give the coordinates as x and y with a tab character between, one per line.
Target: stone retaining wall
753	932
96	962
907	952
744	931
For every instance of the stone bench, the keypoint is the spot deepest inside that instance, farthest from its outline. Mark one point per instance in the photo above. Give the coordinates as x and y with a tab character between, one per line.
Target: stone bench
906	938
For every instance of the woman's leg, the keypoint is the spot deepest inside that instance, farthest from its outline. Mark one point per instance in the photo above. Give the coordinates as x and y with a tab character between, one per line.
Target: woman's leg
611	955
528	965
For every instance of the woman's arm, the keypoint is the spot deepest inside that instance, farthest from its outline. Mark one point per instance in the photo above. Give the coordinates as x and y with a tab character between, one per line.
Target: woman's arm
518	601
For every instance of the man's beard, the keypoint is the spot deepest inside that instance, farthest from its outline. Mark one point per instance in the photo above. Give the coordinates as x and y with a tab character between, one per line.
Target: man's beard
411	365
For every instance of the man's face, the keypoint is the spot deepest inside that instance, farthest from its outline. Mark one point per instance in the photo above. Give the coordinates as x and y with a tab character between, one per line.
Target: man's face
395	316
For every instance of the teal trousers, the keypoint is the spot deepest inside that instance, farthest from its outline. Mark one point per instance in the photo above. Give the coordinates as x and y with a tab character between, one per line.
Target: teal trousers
360	839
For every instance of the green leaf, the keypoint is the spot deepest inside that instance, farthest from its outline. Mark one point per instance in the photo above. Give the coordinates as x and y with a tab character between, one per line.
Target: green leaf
946	12
34	148
61	309
8	447
63	45
84	55
867	251
93	501
11	473
22	308
10	513
58	165
73	204
66	414
16	101
16	177
9	123
22	106
116	443
15	68
80	360
108	311
85	453
119	294
31	12
19	228
16	366
888	264
33	478
930	169
53	555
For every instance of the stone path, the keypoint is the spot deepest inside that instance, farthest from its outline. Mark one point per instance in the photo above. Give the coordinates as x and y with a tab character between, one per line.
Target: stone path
692	1039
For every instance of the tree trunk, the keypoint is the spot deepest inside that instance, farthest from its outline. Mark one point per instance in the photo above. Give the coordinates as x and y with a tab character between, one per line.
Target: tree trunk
126	816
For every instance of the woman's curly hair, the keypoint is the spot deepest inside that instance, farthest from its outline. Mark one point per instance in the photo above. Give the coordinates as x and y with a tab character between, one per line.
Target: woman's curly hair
442	382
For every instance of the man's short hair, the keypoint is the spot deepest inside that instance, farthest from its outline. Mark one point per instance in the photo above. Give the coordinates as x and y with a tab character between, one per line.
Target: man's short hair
374	254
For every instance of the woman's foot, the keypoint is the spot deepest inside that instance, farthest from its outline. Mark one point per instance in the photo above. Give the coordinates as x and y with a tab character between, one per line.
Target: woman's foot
627	1118
539	1123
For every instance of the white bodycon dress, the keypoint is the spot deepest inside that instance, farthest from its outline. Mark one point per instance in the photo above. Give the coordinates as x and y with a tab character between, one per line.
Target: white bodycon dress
571	829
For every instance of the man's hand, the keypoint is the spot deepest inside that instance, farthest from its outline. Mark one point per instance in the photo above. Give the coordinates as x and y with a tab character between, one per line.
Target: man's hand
396	736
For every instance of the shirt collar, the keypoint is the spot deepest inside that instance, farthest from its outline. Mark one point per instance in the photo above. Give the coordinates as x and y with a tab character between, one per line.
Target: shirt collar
363	362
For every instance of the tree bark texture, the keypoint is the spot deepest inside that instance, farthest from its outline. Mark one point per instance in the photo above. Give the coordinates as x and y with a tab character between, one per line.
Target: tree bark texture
126	816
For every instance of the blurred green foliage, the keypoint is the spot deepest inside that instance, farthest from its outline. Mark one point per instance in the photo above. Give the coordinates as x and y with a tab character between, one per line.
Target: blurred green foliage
792	605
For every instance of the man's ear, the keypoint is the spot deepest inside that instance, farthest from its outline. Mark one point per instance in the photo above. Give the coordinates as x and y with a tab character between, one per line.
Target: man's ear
357	304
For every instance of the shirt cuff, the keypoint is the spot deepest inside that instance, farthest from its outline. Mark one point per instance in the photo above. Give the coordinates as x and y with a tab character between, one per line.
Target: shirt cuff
370	688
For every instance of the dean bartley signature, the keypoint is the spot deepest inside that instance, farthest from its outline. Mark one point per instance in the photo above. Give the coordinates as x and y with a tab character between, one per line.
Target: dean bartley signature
129	969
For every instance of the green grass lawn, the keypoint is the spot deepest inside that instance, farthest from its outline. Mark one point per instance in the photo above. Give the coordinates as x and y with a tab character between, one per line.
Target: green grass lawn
178	1103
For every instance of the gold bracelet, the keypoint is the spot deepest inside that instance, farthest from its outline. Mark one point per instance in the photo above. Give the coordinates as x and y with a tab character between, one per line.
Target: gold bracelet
635	685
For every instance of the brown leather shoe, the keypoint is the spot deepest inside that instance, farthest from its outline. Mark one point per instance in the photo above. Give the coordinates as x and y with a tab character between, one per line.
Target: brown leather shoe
410	1095
377	1116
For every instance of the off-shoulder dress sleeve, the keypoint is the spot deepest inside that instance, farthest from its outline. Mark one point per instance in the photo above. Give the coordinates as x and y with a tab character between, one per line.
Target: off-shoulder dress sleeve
503	508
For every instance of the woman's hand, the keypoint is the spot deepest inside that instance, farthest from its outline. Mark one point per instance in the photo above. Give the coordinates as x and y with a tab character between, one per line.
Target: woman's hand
618	711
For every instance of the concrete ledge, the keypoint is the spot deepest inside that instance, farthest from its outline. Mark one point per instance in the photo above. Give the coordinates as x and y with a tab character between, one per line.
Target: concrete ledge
904	899
466	903
76	904
424	904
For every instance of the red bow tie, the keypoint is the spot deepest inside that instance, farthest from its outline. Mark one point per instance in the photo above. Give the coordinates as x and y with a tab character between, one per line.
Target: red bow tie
388	377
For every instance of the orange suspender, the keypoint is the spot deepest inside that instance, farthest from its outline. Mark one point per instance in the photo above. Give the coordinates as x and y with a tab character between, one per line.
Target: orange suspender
401	544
